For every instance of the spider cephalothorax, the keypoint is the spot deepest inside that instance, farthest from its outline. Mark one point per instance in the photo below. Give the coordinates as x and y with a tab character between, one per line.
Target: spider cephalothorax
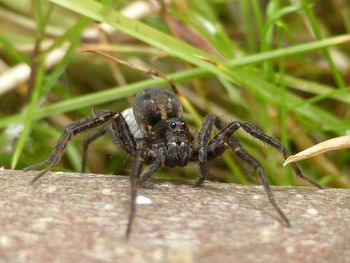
153	133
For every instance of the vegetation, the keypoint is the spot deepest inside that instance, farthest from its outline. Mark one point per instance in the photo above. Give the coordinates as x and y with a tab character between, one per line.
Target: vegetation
282	65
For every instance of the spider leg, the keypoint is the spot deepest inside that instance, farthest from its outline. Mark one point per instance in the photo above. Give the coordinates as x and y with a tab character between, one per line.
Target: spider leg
74	128
48	161
226	132
247	158
255	132
217	146
135	175
203	139
121	135
151	171
155	166
86	143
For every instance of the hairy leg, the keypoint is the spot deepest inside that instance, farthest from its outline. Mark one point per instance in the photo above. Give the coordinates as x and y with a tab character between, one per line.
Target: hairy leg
247	158
74	128
224	136
155	166
120	133
135	175
255	132
87	141
217	146
203	139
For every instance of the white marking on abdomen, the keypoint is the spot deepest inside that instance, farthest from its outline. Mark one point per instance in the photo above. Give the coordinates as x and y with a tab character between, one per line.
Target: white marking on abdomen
129	116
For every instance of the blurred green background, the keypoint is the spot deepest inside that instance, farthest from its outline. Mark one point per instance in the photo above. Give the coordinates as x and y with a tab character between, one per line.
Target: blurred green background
282	65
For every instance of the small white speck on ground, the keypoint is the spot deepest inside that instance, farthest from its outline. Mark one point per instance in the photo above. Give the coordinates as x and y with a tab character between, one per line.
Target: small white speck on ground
312	212
108	207
50	189
256	197
5	241
266	234
290	250
60	172
143	200
106	191
166	185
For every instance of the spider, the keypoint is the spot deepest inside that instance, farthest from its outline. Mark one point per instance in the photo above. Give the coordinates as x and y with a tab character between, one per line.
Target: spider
153	133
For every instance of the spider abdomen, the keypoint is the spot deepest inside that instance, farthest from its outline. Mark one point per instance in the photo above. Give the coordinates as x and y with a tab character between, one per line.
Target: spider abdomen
153	105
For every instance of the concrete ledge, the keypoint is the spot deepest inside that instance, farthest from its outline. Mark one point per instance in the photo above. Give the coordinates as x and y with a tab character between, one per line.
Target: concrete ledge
82	218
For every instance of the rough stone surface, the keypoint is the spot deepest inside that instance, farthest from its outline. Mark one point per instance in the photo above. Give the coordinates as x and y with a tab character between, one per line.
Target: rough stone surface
82	218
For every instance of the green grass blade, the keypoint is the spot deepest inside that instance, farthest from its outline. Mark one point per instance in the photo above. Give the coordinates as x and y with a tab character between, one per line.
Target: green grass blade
39	77
42	87
62	65
134	28
131	89
318	89
12	51
317	31
267	91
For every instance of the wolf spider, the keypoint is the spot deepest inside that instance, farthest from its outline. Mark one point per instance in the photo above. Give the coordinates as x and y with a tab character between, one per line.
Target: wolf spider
161	137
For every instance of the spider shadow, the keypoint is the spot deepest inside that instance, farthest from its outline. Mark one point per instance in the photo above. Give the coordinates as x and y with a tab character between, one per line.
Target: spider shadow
153	182
261	204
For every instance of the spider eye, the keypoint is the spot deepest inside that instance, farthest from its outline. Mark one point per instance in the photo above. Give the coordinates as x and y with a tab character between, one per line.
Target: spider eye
172	125
183	125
